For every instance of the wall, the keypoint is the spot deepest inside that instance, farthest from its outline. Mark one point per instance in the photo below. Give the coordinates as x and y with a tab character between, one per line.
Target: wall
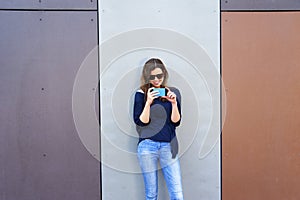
48	46
185	35
42	46
260	68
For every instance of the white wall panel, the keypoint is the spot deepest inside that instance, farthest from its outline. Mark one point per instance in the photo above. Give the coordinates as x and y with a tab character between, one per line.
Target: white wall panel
185	35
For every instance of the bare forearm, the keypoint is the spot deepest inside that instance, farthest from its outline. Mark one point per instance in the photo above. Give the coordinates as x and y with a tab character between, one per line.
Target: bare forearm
175	116
145	115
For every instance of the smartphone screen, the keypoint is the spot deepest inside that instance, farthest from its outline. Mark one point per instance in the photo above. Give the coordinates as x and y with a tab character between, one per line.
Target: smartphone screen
162	91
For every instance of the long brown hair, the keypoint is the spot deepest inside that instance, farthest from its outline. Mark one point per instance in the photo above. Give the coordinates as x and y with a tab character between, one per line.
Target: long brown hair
149	66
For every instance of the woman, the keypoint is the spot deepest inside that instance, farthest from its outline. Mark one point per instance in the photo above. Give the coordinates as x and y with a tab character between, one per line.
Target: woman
157	117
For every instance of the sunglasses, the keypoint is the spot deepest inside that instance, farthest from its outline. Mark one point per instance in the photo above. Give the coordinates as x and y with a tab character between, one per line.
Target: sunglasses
159	76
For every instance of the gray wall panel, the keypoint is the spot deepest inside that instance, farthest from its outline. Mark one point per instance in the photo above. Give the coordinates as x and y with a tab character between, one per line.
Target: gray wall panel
185	35
41	156
260	5
49	4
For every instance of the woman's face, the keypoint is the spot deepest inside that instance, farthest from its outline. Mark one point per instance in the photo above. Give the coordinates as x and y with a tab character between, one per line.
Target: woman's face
156	77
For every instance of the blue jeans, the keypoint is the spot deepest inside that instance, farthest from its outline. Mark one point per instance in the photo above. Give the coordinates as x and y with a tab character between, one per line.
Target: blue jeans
149	153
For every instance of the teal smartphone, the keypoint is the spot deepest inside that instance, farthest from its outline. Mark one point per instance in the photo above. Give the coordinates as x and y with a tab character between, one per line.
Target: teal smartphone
161	91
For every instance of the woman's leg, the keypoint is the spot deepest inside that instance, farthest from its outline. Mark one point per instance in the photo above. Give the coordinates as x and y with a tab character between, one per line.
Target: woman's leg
171	172
148	158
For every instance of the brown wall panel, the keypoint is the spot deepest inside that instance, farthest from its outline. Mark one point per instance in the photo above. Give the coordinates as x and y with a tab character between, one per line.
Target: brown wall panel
260	139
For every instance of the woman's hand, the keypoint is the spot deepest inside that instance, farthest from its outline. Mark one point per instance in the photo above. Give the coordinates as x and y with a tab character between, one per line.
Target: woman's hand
151	95
171	96
145	115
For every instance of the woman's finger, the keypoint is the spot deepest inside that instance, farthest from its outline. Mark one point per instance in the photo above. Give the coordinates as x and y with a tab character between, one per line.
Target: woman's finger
172	95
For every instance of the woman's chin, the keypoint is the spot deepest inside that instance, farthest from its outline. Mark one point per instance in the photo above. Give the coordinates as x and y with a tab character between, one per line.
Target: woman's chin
156	84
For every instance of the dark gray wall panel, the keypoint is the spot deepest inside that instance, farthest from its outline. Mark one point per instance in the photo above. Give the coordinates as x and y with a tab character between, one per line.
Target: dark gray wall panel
41	155
49	4
260	5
